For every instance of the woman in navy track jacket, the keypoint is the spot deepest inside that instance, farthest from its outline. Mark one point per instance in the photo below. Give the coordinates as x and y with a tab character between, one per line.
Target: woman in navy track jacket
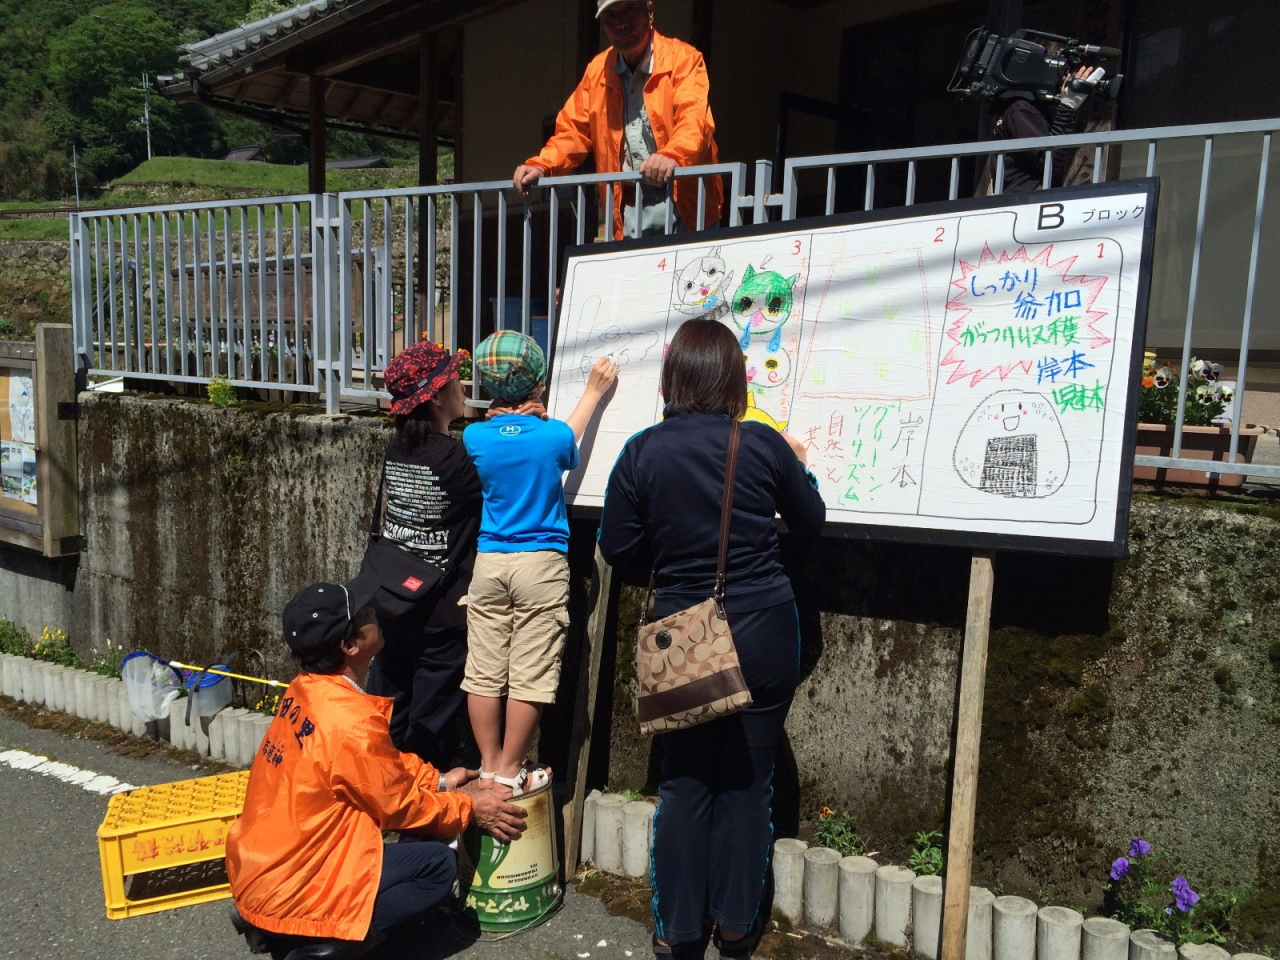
713	832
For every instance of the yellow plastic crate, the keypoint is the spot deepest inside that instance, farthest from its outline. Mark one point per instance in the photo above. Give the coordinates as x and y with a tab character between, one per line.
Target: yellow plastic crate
165	826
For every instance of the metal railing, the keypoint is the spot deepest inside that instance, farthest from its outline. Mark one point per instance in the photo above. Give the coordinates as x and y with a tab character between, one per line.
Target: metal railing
315	294
392	222
188	292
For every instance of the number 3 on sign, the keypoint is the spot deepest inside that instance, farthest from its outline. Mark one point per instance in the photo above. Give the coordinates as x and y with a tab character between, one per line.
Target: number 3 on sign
796	251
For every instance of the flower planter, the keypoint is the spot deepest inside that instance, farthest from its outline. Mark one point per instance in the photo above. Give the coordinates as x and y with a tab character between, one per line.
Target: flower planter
1198	443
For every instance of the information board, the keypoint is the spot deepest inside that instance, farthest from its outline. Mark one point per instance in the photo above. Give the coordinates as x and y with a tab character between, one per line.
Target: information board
964	373
18	441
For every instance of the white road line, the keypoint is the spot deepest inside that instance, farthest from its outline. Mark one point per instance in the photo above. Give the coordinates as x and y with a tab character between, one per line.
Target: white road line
98	783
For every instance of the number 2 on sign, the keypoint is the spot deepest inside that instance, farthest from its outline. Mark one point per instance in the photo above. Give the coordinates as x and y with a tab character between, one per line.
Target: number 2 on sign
942	231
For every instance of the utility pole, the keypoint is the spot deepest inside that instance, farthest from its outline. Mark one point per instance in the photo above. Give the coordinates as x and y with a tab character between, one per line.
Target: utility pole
75	169
146	112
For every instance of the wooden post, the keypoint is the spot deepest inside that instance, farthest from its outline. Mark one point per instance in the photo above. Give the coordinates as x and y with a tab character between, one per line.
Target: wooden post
315	133
584	715
964	784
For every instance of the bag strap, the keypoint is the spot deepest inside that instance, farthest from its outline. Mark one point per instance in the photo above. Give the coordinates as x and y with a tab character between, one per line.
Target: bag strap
726	516
375	527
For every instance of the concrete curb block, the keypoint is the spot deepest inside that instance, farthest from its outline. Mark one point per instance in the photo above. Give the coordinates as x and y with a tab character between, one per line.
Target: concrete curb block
821	886
222	734
788	878
978	945
926	916
178	730
893	904
1202	951
101	698
1149	945
53	686
857	897
1013	928
69	690
1058	933
588	829
637	837
114	717
1104	939
609	826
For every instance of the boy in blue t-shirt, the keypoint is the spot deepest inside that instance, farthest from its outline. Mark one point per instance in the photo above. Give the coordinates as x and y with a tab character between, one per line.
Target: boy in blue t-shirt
517	605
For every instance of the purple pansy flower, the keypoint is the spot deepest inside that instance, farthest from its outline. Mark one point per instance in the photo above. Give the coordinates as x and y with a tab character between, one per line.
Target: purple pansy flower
1120	868
1184	897
1139	847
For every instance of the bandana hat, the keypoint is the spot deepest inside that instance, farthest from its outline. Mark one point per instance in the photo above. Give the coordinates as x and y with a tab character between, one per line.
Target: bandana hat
418	374
509	365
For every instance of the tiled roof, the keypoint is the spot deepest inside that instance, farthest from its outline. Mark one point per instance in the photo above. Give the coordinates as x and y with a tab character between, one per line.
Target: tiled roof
224	48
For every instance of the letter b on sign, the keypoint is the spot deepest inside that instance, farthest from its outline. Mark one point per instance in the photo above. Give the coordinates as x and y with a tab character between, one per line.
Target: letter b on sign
1051	217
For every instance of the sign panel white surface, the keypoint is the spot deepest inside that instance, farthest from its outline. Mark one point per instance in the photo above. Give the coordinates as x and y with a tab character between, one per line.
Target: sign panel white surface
963	374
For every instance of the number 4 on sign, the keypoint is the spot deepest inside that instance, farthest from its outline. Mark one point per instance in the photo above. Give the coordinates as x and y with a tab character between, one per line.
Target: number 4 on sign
663	264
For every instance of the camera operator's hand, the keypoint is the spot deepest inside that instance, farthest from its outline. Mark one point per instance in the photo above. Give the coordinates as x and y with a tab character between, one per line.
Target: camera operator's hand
1077	87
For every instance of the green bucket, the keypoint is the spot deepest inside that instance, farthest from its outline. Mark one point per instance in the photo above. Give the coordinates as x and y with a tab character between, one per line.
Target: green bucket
516	884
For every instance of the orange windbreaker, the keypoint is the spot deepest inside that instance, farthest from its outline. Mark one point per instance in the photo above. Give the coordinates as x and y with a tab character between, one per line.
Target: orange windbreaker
675	97
306	854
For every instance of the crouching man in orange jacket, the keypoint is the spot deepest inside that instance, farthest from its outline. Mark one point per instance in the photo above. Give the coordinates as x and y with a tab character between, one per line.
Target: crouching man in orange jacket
309	873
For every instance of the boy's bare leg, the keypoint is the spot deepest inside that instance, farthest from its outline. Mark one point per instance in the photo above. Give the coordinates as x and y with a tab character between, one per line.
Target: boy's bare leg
486	726
522	724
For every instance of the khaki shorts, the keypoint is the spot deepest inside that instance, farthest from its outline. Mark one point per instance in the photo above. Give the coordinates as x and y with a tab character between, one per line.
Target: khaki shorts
517	621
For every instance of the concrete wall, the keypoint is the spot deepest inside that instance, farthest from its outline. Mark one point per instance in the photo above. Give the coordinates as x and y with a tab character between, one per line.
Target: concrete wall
35	591
201	523
1134	698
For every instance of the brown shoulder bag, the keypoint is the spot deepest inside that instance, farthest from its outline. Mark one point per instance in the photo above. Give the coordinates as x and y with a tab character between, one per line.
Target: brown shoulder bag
686	663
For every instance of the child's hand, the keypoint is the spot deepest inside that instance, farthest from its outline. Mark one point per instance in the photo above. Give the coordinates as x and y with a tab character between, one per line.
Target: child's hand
604	374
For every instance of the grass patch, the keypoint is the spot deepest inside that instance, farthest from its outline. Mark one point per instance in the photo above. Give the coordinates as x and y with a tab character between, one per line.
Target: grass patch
33	229
269	178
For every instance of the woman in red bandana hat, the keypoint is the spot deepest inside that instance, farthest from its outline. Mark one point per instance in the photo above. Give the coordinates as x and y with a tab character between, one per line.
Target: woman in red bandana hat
432	503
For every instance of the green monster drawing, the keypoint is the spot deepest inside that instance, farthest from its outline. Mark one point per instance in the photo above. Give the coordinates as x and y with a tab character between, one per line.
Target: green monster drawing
762	304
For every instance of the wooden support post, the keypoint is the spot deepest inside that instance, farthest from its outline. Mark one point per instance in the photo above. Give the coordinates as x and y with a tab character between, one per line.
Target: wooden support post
315	133
964	783
584	715
428	167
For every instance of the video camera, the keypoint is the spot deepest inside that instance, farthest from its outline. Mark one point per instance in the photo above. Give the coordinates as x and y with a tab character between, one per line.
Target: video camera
1022	66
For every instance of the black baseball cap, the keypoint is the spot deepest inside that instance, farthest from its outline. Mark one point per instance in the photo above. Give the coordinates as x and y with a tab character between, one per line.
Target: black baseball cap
320	615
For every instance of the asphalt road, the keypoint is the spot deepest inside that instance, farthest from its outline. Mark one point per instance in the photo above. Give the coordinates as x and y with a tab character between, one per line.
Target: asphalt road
51	899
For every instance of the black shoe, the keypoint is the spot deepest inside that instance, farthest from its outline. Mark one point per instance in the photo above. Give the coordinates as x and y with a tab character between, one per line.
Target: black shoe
255	938
337	949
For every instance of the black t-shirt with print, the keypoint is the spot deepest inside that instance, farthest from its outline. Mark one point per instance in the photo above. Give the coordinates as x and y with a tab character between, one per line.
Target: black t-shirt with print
431	507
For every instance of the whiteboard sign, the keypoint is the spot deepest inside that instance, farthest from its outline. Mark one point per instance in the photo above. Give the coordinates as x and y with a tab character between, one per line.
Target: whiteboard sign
963	375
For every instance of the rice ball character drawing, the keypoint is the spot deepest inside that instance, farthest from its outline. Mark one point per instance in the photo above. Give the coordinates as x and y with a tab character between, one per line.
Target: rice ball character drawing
1013	446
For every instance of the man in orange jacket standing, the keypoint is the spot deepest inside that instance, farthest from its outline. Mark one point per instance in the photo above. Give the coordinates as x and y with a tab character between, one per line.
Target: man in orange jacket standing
641	106
309	872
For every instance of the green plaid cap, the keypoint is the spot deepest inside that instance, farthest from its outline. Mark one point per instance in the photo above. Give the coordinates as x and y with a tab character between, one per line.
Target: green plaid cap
509	364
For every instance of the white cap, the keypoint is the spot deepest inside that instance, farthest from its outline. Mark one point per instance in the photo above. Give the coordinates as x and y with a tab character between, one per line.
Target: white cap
602	4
